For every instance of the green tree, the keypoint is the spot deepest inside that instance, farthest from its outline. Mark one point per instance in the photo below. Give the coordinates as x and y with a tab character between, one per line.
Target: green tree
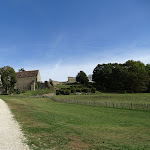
131	76
138	78
82	78
102	75
8	77
148	70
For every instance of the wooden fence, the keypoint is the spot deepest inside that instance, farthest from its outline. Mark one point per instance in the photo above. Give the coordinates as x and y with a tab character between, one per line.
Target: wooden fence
133	106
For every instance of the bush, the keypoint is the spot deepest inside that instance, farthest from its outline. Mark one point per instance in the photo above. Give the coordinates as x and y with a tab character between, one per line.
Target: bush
86	90
18	91
73	90
93	90
67	92
57	92
78	90
4	93
63	92
23	91
11	91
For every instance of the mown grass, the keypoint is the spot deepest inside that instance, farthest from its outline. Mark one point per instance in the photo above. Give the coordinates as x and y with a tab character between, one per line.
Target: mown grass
51	125
138	98
59	86
36	92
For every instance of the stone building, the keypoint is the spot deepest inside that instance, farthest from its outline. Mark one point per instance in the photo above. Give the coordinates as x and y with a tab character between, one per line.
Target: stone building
71	79
54	83
26	80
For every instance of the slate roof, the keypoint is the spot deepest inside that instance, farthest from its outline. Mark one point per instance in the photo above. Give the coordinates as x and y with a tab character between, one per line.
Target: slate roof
24	74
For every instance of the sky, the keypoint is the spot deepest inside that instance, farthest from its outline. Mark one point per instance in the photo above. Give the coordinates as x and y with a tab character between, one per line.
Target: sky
62	37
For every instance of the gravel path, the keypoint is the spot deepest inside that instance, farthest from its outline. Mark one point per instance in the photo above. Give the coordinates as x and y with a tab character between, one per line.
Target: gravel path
11	137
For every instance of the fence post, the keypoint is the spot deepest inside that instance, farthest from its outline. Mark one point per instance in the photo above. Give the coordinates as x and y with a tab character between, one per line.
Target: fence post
113	105
144	107
131	106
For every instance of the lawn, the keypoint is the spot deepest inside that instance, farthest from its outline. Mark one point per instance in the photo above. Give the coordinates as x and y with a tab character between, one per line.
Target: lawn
142	98
51	125
35	93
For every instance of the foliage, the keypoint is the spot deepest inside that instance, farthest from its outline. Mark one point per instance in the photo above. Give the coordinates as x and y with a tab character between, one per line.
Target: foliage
73	89
63	91
8	77
148	70
131	76
93	90
18	91
82	78
47	84
138	77
21	70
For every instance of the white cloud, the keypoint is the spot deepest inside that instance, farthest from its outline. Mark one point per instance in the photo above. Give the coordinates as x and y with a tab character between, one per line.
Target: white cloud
60	70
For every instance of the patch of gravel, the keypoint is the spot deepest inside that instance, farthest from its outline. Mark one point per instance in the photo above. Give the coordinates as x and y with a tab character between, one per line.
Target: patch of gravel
11	136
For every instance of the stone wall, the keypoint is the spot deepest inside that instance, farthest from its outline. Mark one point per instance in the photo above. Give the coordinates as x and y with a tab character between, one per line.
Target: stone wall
54	83
28	82
71	79
25	83
38	77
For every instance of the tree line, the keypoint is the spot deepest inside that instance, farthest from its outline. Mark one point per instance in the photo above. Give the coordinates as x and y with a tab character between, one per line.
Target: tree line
131	76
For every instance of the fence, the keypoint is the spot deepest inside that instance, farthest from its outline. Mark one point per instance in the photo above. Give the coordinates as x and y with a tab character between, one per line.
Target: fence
133	106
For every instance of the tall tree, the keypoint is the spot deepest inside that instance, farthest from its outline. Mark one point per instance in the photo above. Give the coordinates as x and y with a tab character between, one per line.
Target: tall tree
138	78
102	75
8	77
21	70
82	77
148	70
131	76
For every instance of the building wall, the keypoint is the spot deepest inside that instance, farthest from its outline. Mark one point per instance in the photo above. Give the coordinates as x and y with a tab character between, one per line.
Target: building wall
25	83
71	79
38	77
54	83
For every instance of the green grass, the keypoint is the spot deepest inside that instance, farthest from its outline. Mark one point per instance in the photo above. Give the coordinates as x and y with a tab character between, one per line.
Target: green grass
140	98
59	86
48	125
36	92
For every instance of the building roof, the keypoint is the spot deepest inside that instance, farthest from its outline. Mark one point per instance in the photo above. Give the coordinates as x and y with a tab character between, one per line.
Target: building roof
24	74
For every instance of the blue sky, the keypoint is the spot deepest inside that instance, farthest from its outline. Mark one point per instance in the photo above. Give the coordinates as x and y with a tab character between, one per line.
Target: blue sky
62	37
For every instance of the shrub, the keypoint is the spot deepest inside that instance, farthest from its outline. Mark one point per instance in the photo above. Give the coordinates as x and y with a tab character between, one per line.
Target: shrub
57	92
78	89
23	91
4	93
61	91
11	91
67	92
18	91
86	90
93	90
73	89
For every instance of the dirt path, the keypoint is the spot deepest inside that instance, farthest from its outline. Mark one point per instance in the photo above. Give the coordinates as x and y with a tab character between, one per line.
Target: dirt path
11	137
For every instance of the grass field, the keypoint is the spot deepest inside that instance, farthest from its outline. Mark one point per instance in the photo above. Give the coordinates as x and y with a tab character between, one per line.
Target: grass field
142	98
51	125
35	93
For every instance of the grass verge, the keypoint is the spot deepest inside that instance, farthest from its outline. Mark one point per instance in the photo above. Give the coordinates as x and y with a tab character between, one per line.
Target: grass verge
51	125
